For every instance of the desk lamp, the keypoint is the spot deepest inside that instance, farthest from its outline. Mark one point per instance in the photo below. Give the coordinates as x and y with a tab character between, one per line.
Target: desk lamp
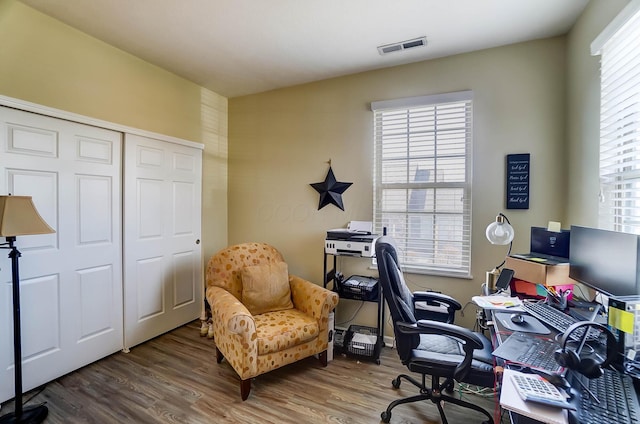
19	217
499	232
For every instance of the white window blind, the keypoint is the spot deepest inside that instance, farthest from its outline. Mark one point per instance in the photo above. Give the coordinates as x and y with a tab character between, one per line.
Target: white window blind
620	128
422	180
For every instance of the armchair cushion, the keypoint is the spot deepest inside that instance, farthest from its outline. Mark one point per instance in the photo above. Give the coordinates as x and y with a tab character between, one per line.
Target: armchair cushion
265	288
280	330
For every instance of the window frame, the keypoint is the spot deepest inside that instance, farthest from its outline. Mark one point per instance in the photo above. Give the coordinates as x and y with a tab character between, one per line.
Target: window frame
619	143
430	264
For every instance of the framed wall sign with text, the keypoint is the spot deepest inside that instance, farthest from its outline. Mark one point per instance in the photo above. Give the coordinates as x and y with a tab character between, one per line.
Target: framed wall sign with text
518	169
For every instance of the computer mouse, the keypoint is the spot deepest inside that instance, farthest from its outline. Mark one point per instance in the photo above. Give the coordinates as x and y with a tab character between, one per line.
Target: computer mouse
517	319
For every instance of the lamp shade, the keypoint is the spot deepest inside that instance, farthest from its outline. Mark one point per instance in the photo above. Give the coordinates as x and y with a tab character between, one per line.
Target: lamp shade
500	231
19	217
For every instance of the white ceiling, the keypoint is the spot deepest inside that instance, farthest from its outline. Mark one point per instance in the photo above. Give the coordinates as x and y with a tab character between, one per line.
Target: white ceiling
239	47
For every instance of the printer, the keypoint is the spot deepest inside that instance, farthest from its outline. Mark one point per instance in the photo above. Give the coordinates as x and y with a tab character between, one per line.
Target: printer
355	240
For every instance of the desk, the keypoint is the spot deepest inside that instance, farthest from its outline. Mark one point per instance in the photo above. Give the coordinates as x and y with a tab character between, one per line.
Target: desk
500	333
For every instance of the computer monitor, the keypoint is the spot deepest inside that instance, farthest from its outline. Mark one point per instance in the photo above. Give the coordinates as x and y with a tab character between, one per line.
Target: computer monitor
606	261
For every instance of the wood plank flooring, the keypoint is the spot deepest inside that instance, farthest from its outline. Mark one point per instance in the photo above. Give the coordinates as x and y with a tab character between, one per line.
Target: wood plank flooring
174	378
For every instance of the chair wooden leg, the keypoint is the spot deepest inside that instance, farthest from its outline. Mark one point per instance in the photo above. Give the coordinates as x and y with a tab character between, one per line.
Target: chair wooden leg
219	356
323	358
245	388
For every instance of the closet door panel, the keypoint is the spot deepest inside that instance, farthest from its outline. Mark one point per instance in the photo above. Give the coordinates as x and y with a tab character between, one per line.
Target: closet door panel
149	290
71	281
96	301
95	214
42	294
163	266
43	187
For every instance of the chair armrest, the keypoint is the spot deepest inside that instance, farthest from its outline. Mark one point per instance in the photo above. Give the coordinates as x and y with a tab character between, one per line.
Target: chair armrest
234	331
426	296
470	340
442	307
312	299
229	313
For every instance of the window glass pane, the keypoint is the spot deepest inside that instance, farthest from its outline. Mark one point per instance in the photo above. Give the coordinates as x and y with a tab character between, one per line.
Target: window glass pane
451	169
450	200
394	200
421	200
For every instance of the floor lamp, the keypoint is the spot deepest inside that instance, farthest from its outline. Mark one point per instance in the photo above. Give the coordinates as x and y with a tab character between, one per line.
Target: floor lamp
19	217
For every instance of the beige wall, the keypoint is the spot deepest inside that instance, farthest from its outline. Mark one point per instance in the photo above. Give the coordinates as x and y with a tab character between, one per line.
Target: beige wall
583	118
280	141
47	62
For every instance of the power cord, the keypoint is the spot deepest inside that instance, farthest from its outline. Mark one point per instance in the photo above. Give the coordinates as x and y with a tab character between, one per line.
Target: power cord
465	307
469	389
353	316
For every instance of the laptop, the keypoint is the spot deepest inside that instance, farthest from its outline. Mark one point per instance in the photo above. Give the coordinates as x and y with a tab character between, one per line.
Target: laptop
528	350
547	247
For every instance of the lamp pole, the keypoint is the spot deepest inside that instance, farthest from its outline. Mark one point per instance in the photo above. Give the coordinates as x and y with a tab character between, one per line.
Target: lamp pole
38	413
14	254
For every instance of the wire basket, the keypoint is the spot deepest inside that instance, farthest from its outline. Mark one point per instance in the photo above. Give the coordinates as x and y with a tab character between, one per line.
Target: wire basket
362	341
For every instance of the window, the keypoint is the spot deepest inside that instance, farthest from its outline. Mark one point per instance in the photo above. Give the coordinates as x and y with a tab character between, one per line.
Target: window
620	122
422	180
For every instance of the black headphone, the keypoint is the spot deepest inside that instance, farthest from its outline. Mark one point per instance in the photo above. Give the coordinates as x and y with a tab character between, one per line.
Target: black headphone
588	367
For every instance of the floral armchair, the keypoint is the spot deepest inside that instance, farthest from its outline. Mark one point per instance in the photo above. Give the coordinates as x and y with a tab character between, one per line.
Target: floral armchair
262	317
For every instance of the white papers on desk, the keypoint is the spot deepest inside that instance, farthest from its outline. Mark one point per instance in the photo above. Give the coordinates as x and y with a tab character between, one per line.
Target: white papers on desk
498	302
511	400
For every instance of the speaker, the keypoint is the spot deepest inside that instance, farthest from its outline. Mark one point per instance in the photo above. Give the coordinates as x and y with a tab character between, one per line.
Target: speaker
589	367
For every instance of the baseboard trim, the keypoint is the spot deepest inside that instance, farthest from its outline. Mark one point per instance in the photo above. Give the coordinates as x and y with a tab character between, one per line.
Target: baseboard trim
389	341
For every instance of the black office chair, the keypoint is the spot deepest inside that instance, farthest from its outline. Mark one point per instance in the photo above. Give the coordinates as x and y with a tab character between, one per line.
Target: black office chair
428	342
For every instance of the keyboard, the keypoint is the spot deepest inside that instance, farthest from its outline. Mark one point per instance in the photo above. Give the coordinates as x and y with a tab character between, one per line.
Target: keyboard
526	349
556	319
616	399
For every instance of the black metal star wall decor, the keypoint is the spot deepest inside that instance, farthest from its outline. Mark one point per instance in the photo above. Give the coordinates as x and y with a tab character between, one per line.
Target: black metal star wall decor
330	190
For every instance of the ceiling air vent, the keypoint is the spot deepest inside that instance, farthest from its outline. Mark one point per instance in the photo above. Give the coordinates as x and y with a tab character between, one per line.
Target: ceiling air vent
403	45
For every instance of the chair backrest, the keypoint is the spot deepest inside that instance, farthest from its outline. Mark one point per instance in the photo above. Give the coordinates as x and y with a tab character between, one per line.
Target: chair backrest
396	293
225	267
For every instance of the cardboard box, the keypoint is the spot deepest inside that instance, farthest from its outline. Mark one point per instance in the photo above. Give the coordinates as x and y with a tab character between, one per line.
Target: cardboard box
530	289
539	273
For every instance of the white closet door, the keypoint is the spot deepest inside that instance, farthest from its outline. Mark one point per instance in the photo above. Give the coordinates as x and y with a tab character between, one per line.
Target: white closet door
71	281
162	211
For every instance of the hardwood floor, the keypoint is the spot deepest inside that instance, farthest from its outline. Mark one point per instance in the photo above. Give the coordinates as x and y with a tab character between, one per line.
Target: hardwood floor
174	378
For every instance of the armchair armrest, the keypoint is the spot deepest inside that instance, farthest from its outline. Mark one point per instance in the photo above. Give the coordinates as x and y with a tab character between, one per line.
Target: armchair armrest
229	312
233	325
470	341
312	299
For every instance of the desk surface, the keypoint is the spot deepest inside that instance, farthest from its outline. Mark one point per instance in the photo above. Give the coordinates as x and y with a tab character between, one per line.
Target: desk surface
499	333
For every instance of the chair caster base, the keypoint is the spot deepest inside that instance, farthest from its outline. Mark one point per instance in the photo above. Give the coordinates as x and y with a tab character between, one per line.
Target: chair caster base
449	387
